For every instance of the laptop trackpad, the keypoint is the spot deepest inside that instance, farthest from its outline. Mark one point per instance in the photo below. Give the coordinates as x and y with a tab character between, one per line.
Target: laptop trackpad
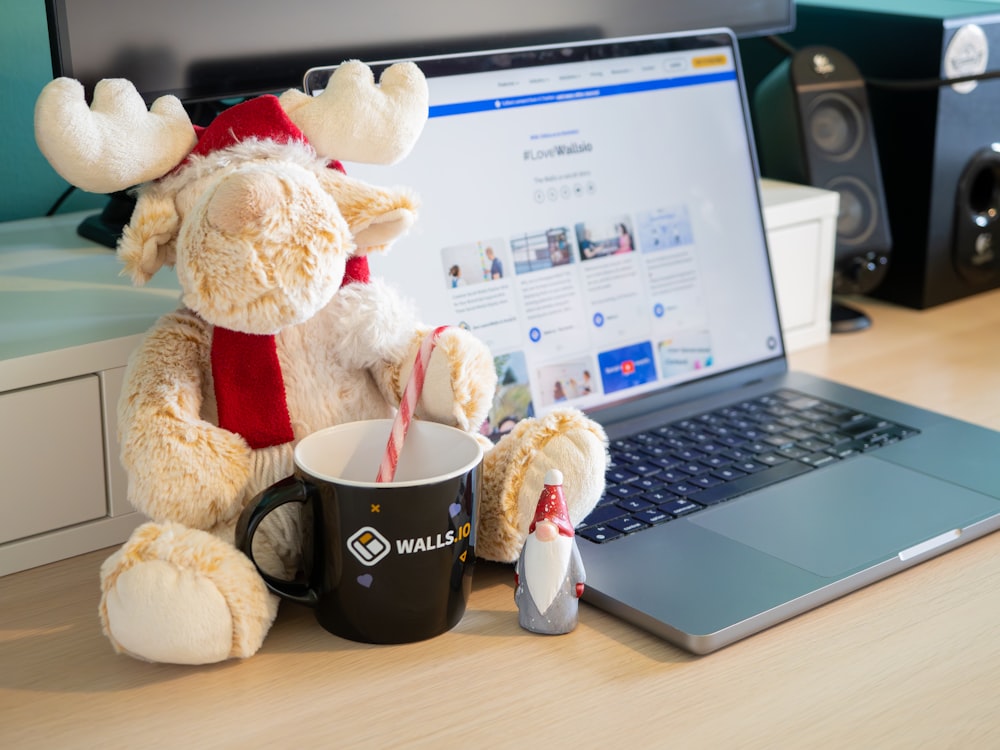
847	517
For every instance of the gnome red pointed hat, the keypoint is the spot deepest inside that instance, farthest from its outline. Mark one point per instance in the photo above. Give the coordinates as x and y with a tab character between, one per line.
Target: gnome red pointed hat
552	505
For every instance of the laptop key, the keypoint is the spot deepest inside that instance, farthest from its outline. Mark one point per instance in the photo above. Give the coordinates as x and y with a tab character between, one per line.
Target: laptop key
653	516
685	489
649	484
623	491
717	462
602	514
666	462
645	469
843	451
819	458
680	507
673	475
626	524
751	482
862	424
771	459
599	534
793	452
661	496
706	480
729	473
619	476
633	505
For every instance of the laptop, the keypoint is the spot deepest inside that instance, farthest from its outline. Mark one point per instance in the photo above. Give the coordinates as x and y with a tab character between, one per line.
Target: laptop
592	212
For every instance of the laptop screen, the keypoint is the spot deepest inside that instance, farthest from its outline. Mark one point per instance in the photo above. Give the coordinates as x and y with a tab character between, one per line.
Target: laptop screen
590	211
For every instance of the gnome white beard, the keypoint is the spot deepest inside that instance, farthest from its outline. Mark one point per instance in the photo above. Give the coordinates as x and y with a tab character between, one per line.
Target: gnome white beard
545	567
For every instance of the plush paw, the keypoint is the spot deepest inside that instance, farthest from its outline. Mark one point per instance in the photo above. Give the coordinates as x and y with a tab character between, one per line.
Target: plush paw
182	596
460	382
514	473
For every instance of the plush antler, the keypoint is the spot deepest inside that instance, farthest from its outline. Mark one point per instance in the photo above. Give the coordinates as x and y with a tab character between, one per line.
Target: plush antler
356	120
115	143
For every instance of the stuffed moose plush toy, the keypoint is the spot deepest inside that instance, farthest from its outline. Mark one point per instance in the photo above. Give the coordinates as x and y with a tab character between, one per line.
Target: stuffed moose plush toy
281	332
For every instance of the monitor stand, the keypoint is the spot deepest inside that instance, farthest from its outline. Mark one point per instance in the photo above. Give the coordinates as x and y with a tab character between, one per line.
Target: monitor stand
846	319
106	227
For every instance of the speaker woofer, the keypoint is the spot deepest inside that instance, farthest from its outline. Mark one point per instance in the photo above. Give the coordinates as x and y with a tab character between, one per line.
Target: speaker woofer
858	217
976	246
835	125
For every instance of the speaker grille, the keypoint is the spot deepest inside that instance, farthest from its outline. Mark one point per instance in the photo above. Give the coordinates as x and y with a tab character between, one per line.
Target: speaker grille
859	214
836	127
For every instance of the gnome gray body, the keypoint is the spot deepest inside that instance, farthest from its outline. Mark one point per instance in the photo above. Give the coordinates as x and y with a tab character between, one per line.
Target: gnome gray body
549	576
562	613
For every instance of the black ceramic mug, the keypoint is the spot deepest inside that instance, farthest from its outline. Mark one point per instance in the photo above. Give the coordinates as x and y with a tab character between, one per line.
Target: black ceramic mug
386	562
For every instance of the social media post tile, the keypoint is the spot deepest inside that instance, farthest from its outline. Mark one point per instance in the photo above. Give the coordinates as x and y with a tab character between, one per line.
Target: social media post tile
555	318
685	353
474	262
616	300
627	366
489	311
566	380
512	401
663	228
541	249
675	290
604	237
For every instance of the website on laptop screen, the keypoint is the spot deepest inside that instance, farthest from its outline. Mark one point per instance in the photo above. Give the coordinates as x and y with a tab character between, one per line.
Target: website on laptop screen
594	222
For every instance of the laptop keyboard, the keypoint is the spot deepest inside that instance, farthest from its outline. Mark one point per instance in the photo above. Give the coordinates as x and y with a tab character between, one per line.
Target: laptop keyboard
689	465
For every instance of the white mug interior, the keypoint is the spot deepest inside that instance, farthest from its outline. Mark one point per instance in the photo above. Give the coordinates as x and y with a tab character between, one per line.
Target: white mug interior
351	453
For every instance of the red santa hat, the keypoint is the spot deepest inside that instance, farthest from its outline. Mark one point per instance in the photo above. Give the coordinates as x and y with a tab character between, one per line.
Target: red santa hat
552	505
261	118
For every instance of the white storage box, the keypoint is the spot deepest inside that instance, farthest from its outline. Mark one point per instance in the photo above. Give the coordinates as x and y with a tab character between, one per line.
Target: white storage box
801	224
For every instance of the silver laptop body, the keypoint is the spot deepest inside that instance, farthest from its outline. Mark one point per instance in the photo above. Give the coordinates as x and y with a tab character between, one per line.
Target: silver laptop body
591	211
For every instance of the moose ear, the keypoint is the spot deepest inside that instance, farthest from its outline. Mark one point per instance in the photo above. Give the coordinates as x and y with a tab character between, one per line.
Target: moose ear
147	244
383	230
376	216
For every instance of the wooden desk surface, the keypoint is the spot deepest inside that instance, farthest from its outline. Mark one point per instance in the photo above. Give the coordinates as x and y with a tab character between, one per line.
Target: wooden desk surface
913	661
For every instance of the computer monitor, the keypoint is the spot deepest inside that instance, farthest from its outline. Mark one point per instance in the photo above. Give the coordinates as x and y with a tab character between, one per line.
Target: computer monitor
209	52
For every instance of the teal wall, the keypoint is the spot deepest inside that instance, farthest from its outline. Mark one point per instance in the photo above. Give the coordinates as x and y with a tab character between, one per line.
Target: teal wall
28	185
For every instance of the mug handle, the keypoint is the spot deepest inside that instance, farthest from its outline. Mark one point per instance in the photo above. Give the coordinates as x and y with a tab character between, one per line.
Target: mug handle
288	490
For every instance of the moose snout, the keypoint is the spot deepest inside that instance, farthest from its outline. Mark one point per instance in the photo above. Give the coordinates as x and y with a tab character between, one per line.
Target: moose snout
242	200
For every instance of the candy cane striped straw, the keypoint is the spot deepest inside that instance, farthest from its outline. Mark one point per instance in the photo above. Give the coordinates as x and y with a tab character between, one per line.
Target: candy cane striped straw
408	404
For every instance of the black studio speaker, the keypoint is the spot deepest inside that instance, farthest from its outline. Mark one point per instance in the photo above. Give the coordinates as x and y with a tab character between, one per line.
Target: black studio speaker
814	127
937	143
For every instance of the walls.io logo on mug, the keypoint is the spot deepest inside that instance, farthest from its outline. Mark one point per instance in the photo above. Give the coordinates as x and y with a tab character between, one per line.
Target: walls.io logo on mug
368	546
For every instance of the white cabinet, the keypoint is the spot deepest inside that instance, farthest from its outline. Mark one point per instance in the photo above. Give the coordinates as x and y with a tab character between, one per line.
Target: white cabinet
68	321
52	460
801	224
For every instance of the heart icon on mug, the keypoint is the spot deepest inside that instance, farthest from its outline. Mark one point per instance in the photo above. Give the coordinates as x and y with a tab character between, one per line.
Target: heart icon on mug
366	580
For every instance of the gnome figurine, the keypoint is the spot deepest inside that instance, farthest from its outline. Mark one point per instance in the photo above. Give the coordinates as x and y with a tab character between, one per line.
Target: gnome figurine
549	577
